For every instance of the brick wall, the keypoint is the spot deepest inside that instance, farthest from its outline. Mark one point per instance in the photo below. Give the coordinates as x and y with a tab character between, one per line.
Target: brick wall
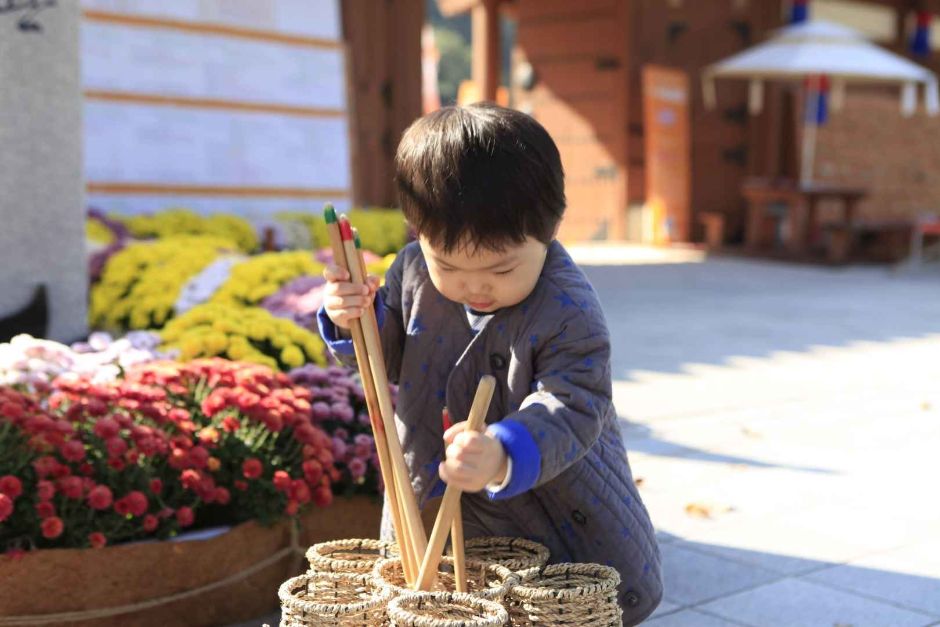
898	158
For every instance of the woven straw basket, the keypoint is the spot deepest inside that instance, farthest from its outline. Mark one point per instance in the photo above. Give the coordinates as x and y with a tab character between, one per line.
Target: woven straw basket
445	609
350	555
582	595
517	554
485	580
327	599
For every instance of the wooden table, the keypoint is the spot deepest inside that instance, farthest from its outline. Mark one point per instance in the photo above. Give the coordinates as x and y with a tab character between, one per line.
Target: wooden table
801	203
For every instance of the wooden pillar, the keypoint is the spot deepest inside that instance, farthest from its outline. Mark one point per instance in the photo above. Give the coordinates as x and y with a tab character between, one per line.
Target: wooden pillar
485	60
384	43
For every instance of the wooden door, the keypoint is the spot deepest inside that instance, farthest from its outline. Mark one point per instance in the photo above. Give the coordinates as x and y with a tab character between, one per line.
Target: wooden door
569	69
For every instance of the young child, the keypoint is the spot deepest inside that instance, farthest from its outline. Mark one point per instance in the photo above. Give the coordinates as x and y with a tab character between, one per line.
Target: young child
486	289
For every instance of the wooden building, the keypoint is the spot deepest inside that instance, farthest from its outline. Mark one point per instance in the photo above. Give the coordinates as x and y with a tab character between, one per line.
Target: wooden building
579	67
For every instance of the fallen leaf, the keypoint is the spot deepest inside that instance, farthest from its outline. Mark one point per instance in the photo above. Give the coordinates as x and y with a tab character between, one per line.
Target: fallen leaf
638	481
697	510
704	510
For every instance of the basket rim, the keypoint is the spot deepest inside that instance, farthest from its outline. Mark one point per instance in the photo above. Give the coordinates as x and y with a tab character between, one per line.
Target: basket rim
314	555
609	580
285	594
509	577
537	551
478	603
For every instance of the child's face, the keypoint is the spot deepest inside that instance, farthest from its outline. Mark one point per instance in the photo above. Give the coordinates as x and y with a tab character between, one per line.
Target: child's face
483	279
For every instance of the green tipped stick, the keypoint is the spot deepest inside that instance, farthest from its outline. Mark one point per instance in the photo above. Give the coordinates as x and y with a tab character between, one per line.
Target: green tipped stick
356	238
329	214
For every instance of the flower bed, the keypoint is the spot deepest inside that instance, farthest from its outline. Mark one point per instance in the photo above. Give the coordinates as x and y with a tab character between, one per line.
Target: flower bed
245	334
173	222
382	231
169	446
140	284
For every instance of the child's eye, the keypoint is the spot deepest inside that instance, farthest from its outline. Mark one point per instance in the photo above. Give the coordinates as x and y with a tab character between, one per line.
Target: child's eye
504	271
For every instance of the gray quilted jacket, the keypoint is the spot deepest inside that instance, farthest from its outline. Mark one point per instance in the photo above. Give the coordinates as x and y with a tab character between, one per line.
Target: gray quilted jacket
571	487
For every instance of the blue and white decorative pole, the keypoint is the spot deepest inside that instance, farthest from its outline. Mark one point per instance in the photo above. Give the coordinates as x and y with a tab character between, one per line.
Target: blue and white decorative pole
920	41
799	11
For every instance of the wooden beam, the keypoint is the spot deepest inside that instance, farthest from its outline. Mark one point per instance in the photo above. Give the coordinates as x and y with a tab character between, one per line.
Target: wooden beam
486	58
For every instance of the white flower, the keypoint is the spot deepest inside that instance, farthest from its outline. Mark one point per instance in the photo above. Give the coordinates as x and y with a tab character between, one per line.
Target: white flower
201	287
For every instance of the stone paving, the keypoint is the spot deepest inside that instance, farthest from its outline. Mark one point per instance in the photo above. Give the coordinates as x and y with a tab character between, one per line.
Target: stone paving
785	423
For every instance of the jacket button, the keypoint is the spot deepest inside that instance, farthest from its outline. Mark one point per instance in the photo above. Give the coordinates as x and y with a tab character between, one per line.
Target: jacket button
578	517
631	598
497	361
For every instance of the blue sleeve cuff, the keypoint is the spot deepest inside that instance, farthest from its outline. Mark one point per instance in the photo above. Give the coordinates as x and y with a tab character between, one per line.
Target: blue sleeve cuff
438	490
524	452
330	335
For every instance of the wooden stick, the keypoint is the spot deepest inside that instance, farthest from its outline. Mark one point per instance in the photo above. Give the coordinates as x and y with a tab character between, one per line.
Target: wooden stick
372	403
456	541
445	516
456	532
410	559
411	517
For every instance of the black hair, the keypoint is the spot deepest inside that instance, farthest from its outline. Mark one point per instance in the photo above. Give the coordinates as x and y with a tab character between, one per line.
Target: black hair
481	175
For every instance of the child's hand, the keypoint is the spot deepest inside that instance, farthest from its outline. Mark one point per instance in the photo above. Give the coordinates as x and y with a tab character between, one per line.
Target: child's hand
473	460
343	300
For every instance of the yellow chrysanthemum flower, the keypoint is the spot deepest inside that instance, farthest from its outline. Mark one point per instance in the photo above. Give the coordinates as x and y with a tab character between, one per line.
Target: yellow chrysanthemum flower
276	342
184	222
140	284
255	279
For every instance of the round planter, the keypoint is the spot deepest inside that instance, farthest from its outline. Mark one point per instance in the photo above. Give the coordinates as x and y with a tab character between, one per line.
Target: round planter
228	578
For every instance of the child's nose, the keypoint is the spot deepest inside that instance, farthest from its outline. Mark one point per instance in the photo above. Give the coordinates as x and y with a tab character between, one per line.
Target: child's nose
477	286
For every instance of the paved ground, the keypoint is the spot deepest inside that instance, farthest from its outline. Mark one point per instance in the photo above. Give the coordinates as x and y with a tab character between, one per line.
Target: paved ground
785	423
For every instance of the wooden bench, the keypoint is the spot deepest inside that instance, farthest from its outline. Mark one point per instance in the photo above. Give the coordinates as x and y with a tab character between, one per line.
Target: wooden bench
871	240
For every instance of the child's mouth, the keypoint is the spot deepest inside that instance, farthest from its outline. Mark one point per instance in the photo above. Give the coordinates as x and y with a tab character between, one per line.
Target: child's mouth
481	306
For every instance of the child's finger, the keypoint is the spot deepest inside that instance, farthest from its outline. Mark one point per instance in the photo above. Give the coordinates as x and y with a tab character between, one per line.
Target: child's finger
451	433
344	302
347	314
456	472
345	289
453	452
374	282
469	442
333	272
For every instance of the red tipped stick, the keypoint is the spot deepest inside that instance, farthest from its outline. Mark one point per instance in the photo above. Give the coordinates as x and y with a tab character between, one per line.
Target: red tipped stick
345	230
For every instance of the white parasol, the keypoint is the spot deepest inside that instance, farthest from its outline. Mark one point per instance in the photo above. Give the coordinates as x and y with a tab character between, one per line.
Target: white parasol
812	49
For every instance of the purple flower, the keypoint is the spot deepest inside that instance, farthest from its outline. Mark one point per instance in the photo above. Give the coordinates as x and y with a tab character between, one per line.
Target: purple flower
357	467
120	231
297	300
343	411
321	411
